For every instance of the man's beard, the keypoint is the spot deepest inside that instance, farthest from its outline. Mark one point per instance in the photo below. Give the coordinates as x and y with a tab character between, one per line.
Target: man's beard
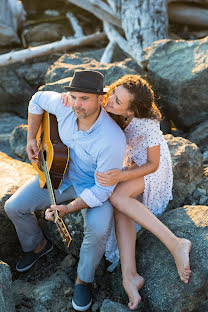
80	113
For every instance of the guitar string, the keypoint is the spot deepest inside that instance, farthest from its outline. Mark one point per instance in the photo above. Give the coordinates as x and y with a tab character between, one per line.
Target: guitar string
52	198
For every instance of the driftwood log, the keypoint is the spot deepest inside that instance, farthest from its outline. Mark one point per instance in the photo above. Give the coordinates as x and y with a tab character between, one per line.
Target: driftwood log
191	15
131	24
65	43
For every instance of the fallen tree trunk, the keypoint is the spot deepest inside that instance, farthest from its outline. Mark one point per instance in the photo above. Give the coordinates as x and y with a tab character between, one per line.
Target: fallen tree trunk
189	15
142	22
30	53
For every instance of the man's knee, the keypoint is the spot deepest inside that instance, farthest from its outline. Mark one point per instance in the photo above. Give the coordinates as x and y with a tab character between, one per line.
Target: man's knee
10	208
95	232
98	224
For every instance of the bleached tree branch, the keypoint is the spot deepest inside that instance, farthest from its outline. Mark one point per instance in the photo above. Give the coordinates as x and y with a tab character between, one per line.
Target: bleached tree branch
97	11
114	36
78	32
108	53
65	43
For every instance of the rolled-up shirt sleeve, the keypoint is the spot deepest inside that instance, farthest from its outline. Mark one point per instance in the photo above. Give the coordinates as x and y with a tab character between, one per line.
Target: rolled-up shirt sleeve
44	100
110	158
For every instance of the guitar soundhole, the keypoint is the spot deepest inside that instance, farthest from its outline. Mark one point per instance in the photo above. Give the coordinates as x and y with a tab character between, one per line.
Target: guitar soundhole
40	164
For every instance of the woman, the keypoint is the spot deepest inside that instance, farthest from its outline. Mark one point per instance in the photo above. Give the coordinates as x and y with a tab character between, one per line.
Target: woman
147	172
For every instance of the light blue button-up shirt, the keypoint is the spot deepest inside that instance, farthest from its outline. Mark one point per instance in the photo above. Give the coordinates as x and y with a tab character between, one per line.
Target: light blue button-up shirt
101	148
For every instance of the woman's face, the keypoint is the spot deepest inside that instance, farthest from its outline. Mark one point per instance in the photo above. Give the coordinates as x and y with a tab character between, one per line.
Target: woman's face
118	102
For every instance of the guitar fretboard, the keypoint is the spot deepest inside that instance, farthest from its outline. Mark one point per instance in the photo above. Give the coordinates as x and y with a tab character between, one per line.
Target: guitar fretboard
49	185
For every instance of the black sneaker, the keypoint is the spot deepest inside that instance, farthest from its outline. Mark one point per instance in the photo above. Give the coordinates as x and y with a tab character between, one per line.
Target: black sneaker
29	258
82	298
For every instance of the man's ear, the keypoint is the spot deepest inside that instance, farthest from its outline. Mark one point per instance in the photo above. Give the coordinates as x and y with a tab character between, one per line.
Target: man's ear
100	99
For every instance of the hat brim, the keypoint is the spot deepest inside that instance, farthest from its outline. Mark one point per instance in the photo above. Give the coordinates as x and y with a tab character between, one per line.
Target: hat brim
84	90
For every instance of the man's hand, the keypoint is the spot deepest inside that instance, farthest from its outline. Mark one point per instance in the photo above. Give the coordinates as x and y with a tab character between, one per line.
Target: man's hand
32	150
65	97
109	178
62	211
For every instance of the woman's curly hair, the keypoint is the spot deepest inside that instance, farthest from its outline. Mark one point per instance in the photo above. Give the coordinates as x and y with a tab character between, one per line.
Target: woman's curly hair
142	103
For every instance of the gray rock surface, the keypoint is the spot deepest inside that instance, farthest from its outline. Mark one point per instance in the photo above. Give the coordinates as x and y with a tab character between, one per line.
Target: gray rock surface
13	174
8	122
17	141
163	290
18	83
110	306
199	135
179	70
6	293
47	32
64	67
187	163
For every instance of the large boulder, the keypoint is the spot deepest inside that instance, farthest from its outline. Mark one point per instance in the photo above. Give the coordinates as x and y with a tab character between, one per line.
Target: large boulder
18	141
178	70
58	73
6	294
199	135
18	83
8	122
110	306
13	174
163	290
187	163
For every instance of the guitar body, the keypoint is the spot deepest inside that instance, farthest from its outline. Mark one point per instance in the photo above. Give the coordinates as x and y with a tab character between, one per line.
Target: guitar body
55	152
53	161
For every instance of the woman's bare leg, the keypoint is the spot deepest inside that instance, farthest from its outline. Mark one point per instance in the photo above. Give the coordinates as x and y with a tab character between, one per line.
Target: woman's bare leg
123	200
126	238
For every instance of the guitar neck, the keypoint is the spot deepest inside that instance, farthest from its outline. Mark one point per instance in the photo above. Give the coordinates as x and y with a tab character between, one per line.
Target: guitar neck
49	186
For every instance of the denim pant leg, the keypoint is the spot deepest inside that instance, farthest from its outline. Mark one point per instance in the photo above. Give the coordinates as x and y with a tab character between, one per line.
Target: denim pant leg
97	223
21	206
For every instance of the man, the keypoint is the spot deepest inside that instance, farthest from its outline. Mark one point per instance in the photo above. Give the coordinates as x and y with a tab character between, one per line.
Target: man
96	143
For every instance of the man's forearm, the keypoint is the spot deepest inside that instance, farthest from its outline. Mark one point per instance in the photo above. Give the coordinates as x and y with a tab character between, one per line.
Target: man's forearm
34	122
76	205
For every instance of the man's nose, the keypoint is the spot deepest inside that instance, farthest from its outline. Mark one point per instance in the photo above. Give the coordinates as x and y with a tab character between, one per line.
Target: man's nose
77	103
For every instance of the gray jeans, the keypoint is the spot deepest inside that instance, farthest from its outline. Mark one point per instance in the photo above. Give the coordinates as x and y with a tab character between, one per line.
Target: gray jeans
97	221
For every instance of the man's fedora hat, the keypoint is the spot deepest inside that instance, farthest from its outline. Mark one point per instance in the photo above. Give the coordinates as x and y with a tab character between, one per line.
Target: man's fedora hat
87	81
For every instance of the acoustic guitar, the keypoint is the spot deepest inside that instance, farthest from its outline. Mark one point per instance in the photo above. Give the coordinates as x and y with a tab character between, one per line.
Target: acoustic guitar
53	161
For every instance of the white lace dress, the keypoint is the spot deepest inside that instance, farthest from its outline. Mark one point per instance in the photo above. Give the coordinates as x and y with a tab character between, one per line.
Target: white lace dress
141	134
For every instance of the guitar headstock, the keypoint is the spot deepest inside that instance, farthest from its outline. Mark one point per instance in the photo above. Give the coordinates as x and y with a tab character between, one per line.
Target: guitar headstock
66	237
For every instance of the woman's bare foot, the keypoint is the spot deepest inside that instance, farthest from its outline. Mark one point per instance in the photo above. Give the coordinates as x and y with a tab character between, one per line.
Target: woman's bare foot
132	286
181	257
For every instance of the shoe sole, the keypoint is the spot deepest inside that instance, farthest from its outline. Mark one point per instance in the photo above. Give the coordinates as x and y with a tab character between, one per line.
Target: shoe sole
78	308
29	266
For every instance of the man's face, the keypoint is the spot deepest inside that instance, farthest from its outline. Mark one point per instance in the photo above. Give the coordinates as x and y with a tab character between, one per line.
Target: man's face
85	105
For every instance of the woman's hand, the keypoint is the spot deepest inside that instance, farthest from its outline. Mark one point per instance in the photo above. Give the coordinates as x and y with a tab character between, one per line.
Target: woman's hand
65	97
109	178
